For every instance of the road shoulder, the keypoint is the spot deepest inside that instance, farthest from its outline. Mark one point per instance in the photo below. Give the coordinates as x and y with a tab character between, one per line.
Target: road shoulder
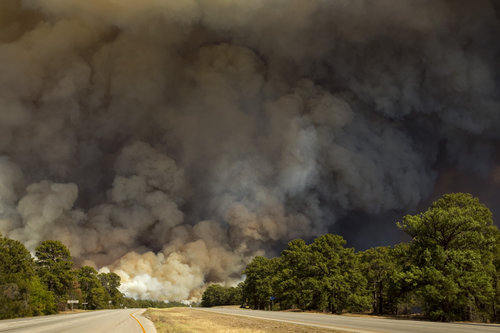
147	324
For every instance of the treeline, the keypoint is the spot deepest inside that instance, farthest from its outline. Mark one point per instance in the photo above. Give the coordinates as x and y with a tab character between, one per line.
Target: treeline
216	295
147	303
450	270
43	285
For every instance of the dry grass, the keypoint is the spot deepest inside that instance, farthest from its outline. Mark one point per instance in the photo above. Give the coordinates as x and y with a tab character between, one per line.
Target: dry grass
74	311
184	320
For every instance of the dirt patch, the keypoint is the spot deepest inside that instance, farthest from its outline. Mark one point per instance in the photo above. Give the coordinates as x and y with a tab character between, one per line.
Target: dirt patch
184	320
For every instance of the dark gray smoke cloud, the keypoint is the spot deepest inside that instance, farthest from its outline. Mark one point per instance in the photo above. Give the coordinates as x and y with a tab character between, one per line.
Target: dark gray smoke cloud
171	141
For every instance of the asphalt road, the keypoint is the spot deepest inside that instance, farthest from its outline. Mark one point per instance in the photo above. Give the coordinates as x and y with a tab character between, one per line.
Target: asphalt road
104	321
361	324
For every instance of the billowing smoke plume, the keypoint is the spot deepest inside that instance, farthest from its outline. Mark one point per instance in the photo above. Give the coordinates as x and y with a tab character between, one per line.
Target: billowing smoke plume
171	141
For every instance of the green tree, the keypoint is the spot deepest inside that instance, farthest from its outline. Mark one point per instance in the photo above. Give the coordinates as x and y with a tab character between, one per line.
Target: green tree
340	284
451	258
295	284
21	293
260	282
213	296
111	282
323	275
496	279
403	280
378	265
216	294
41	300
16	263
16	271
93	292
54	267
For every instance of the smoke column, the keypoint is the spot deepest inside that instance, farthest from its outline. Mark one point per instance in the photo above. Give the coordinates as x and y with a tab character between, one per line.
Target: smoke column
171	141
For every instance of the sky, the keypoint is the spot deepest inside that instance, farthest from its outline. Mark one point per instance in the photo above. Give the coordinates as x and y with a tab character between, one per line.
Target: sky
172	141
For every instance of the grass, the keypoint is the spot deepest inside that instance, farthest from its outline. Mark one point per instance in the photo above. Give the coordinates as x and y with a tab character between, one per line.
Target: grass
184	320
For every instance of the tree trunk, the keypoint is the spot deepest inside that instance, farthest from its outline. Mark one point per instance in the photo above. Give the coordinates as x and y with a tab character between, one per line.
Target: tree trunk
380	301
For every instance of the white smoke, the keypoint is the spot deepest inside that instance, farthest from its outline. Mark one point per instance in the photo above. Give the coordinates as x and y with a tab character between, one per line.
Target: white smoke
171	141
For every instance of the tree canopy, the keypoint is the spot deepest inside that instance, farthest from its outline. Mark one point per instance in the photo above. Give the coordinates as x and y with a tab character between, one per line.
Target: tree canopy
21	292
323	275
93	292
216	294
450	269
452	258
54	267
42	285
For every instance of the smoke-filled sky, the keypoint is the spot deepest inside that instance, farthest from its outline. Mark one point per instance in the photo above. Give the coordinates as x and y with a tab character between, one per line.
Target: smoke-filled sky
171	141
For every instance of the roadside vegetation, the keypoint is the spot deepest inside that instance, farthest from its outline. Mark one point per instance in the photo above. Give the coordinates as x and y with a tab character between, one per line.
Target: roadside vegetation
448	271
43	284
180	320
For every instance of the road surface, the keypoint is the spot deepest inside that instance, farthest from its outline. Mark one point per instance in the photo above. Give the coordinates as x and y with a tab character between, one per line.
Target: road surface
104	321
361	324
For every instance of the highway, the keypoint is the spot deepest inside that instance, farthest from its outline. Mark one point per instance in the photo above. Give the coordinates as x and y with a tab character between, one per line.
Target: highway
104	321
360	324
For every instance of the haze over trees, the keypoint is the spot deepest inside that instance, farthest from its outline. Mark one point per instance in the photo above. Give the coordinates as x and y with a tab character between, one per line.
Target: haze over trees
449	270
